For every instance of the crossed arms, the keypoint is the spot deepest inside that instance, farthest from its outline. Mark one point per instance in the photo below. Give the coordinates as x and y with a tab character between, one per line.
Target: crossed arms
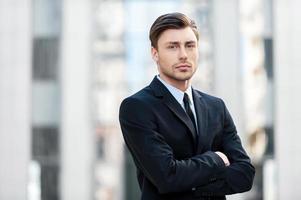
205	173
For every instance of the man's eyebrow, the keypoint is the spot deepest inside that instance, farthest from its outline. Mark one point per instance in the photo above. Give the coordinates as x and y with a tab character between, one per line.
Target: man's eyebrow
178	42
190	42
173	42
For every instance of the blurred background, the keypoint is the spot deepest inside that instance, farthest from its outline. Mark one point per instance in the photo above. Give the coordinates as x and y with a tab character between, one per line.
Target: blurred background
65	66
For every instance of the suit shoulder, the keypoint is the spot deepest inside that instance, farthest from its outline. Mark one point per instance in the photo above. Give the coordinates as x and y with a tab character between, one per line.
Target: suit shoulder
209	98
141	98
142	95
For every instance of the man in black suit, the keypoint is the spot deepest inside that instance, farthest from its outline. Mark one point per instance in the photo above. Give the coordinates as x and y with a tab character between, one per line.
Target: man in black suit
183	142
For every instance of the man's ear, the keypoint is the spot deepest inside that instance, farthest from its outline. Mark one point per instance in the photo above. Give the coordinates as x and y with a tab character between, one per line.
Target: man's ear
154	52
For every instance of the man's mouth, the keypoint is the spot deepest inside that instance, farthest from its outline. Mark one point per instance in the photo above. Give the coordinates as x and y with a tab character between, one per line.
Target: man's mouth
183	66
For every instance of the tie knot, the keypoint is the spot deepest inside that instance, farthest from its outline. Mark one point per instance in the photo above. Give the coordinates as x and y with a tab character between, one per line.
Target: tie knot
186	99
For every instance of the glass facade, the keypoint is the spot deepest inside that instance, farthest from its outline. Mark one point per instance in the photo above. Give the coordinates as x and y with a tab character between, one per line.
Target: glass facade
45	99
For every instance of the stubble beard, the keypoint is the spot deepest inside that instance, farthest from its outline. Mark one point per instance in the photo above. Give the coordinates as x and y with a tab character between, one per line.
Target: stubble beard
178	76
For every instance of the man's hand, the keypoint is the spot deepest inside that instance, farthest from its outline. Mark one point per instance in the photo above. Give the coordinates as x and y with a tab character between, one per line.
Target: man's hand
224	157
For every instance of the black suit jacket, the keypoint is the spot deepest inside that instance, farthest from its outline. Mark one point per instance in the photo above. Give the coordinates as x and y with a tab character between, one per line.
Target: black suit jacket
172	160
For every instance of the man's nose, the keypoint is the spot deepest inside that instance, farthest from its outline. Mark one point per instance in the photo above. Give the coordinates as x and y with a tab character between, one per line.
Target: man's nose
182	54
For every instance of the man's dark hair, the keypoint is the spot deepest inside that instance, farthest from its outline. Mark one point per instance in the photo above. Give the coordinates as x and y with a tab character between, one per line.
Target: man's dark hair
170	21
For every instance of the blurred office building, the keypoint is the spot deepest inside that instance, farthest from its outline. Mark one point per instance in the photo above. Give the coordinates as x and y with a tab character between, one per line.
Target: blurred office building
65	67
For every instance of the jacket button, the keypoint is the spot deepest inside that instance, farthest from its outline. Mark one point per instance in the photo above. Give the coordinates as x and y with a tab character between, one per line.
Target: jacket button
212	179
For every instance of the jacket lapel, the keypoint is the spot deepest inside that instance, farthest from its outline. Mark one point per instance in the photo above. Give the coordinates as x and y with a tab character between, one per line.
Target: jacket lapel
176	108
202	119
161	91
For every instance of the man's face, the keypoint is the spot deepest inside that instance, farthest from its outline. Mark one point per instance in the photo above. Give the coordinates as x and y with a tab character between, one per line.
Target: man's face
176	55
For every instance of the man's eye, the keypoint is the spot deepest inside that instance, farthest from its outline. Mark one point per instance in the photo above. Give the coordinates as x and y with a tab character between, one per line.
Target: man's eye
191	45
171	46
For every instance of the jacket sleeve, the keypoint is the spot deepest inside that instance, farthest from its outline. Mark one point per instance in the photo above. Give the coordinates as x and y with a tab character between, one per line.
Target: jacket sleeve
154	157
238	177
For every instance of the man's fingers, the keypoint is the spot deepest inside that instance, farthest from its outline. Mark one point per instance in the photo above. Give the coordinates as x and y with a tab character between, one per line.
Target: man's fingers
224	157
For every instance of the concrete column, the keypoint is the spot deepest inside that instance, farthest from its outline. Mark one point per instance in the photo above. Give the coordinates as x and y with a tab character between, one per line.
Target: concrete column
15	97
77	144
287	40
227	71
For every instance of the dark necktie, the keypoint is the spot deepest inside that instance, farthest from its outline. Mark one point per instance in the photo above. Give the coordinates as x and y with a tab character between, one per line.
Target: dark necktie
188	110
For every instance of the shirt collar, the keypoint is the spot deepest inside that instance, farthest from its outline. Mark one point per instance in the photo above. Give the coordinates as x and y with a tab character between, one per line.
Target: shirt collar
176	93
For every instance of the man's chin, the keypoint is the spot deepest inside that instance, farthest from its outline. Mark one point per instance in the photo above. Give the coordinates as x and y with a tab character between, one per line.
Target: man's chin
184	77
